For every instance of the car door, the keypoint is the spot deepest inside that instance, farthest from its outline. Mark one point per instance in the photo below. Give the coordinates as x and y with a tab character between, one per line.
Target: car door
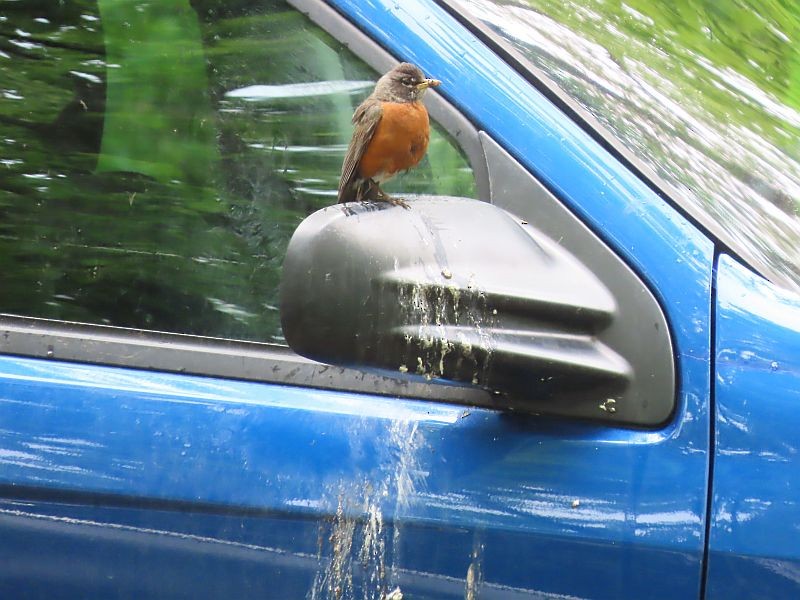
754	518
174	446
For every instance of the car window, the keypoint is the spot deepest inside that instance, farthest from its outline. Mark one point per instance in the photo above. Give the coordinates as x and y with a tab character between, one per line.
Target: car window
705	93
155	158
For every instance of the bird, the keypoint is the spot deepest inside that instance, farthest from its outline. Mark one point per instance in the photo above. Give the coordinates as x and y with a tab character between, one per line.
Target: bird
391	134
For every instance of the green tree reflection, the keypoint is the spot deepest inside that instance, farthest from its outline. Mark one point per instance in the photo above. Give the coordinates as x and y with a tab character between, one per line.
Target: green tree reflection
155	158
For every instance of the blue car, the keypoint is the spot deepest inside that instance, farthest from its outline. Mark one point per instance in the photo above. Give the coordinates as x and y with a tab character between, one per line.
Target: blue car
570	368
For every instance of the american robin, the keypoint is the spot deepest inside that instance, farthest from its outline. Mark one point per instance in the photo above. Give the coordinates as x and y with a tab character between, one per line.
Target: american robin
391	135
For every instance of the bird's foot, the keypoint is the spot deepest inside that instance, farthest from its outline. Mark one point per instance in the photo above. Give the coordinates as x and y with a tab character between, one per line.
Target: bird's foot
397	202
384	197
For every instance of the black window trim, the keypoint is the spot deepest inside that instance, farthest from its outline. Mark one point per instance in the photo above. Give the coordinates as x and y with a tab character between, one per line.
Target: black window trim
589	124
205	356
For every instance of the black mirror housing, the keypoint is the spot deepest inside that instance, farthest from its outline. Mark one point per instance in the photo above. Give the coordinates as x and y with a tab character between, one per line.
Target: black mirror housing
452	289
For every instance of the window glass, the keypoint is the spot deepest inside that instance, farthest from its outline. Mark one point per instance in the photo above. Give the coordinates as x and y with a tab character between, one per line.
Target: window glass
706	93
155	158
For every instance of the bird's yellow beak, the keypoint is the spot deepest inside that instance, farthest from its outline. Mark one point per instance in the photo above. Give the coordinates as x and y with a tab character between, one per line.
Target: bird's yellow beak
428	83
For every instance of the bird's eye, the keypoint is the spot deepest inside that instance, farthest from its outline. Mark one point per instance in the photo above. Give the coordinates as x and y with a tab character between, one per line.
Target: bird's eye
407	81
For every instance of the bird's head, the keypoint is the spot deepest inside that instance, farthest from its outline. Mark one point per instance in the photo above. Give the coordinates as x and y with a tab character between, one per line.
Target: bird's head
404	83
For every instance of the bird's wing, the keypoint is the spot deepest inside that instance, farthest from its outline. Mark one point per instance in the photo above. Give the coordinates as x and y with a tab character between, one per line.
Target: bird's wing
365	119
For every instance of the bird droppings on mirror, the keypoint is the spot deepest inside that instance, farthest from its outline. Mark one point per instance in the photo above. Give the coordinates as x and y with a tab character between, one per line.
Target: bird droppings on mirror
422	294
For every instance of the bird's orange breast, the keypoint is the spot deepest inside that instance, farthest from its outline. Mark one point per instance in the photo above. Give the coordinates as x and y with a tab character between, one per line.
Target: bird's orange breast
399	142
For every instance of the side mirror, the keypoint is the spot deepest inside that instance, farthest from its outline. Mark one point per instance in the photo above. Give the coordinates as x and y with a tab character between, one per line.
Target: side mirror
458	290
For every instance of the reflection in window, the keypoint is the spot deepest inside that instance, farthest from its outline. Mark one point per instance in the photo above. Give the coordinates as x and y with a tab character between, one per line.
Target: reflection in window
155	158
706	94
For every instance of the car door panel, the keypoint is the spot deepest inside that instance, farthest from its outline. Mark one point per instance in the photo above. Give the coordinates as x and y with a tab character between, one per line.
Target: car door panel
157	469
754	528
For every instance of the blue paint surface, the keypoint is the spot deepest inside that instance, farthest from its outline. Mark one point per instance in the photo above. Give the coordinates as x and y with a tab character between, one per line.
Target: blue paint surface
755	522
244	480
